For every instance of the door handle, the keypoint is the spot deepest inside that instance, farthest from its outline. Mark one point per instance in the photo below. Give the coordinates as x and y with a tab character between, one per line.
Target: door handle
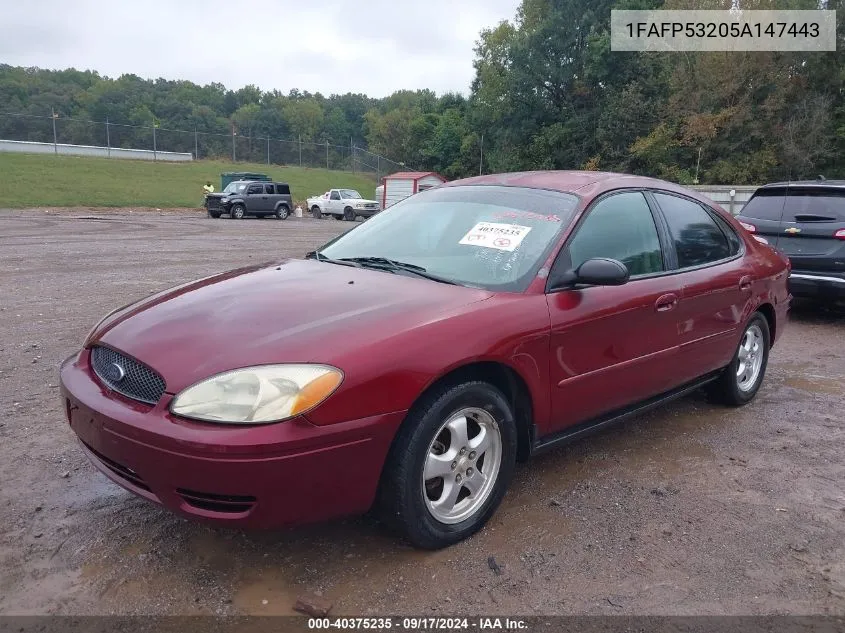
745	283
666	303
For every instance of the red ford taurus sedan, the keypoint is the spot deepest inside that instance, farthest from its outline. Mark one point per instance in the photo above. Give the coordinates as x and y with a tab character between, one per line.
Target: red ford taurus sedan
410	362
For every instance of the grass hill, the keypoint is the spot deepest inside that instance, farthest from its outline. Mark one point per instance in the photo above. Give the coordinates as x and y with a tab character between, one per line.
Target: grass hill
36	180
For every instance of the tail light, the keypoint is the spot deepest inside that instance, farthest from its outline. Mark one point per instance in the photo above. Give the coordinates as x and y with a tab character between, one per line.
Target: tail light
840	234
749	227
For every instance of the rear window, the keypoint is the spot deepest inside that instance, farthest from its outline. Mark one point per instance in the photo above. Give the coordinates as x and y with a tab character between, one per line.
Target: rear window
766	204
815	205
282	189
802	204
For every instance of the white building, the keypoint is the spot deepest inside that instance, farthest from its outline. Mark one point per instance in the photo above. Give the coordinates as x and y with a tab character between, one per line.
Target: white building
402	184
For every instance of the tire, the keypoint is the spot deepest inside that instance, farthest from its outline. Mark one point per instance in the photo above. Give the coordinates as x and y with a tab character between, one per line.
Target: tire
741	380
349	214
316	213
421	509
216	216
282	212
238	212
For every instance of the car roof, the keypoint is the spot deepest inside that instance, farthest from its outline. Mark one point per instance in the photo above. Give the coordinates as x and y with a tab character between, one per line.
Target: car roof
820	184
259	182
587	184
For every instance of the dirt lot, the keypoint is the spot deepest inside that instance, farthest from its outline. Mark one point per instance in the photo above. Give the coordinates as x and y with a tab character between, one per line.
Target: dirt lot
693	509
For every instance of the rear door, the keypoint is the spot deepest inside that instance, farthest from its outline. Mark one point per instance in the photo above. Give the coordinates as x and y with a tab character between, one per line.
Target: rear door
717	284
811	220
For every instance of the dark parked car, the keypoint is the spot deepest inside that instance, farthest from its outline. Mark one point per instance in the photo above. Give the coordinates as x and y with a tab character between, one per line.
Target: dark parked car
241	198
806	221
494	317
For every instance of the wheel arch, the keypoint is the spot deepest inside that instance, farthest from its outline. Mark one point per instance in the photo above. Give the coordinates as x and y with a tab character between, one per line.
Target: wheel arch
507	380
768	312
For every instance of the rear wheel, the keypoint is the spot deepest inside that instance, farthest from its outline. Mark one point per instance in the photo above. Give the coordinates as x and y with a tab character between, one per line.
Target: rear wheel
740	382
238	212
316	213
282	212
450	465
349	214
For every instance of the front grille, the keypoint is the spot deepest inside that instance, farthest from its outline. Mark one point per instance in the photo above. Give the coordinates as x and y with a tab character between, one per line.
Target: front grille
120	470
213	204
126	375
231	504
371	206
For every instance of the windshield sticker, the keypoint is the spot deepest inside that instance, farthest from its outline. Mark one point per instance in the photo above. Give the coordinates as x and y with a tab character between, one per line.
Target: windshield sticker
503	237
526	215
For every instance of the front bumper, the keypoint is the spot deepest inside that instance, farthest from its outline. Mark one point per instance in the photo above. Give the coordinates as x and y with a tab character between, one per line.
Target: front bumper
817	285
258	477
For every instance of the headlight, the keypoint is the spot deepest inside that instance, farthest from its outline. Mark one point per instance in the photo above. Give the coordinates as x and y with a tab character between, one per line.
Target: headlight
258	395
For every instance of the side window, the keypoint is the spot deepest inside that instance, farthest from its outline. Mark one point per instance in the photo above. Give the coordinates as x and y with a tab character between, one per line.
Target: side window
733	239
283	189
619	227
335	195
698	240
269	189
253	189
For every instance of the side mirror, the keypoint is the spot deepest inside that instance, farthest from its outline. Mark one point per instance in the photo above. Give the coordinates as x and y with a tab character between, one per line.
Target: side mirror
599	271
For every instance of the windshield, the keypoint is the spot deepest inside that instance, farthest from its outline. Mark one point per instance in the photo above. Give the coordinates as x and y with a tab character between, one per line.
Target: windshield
350	193
235	187
489	237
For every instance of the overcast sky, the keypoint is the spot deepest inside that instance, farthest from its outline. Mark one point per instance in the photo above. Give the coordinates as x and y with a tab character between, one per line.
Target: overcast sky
328	46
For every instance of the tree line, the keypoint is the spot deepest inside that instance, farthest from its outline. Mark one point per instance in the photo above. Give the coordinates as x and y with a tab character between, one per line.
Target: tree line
548	93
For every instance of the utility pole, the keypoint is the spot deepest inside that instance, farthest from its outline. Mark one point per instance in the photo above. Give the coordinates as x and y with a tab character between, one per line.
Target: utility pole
327	153
108	140
300	150
196	145
234	159
268	149
155	125
481	156
55	140
352	154
697	165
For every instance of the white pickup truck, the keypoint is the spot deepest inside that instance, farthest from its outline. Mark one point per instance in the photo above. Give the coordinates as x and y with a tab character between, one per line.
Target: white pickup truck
346	204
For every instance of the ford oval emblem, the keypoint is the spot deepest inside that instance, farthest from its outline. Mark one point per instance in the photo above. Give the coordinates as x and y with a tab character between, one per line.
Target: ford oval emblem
114	373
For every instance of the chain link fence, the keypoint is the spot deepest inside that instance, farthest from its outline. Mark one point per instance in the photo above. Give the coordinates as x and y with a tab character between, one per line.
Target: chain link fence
233	146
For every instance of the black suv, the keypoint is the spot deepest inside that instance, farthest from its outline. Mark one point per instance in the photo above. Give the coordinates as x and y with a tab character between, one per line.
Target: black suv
241	198
805	221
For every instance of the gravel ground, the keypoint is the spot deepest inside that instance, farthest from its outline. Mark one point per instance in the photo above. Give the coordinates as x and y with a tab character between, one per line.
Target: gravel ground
692	509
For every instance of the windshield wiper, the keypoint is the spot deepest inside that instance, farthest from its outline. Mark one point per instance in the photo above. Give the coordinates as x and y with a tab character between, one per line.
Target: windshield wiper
382	263
322	258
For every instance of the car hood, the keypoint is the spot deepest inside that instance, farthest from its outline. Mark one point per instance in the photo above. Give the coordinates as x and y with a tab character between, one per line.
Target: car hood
362	201
287	311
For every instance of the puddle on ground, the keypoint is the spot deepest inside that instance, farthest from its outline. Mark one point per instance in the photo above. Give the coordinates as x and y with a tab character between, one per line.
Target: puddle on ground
817	384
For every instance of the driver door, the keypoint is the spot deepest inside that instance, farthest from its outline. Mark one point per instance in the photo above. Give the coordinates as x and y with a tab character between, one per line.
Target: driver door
612	346
335	204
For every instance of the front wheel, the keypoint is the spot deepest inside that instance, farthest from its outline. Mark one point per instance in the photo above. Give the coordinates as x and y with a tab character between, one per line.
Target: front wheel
282	213
316	213
238	212
740	382
450	465
349	214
